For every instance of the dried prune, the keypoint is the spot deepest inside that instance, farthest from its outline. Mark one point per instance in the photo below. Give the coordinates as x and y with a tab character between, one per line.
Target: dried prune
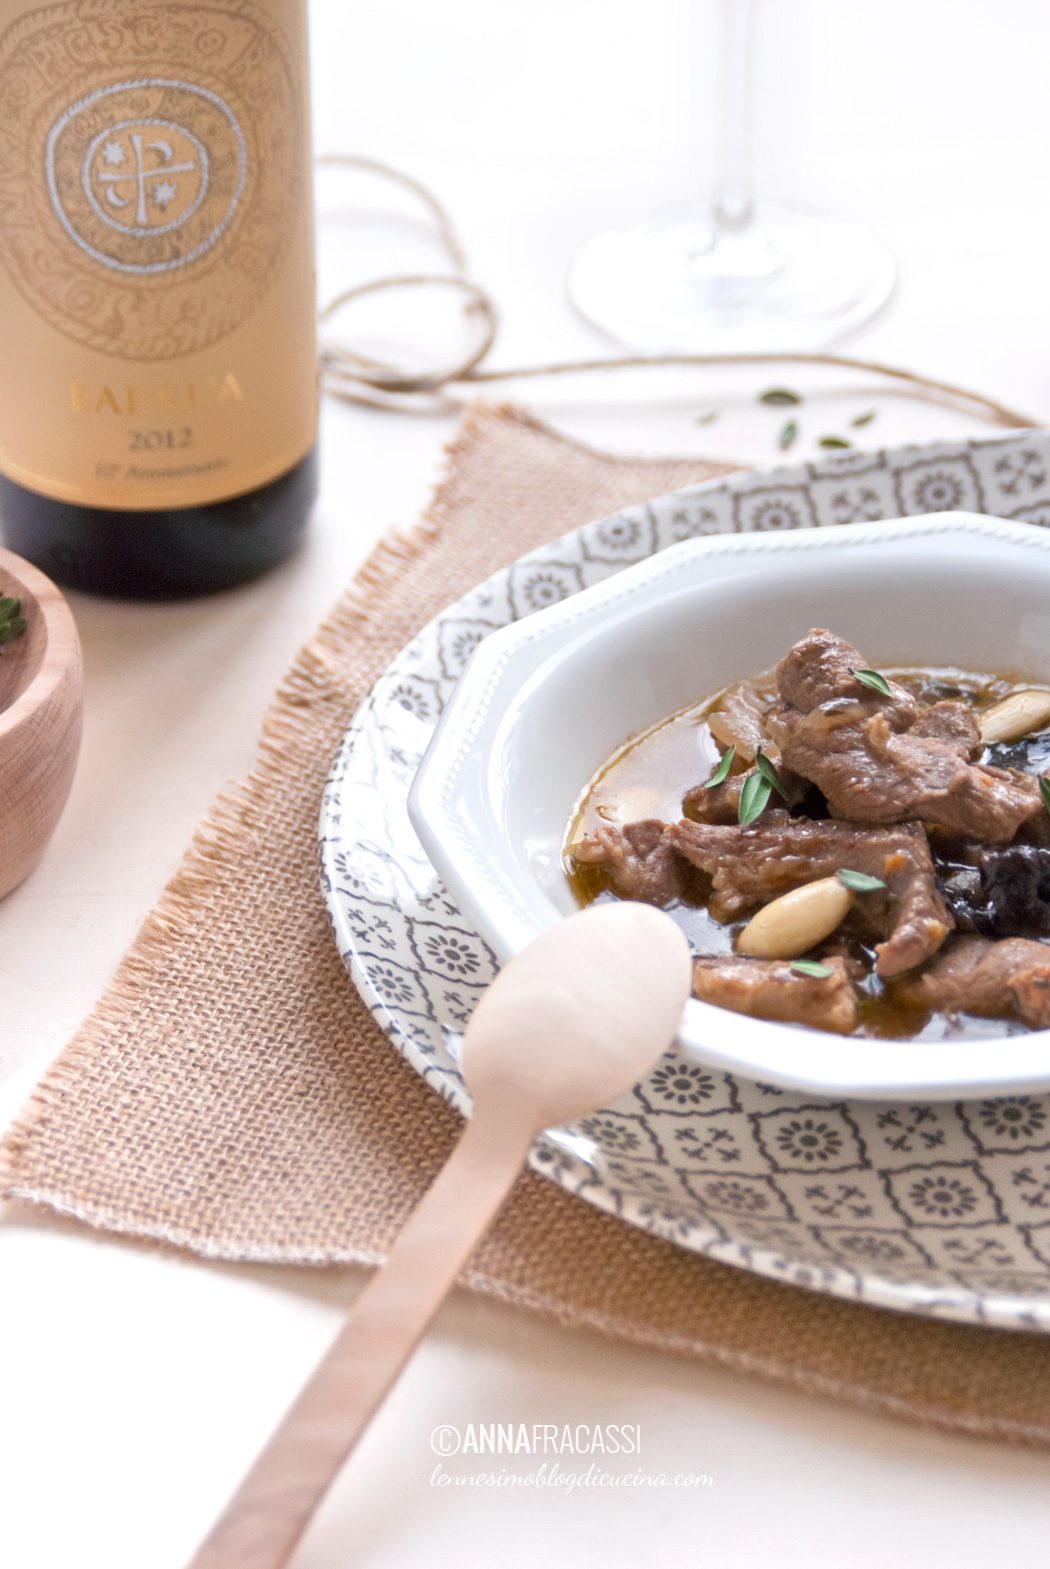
1005	893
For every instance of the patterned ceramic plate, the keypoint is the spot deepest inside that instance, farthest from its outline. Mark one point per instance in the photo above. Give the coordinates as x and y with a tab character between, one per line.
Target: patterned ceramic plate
931	1208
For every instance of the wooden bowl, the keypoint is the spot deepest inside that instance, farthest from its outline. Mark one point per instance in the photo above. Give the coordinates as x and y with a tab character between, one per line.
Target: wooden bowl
41	709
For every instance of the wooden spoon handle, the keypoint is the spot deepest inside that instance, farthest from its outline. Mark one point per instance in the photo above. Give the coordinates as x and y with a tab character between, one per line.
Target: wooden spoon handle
268	1513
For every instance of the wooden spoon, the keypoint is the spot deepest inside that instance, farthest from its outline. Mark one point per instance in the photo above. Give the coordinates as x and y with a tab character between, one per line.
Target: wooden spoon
566	1026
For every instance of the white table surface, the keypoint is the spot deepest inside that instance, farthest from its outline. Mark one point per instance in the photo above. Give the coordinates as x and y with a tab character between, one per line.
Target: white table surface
135	1385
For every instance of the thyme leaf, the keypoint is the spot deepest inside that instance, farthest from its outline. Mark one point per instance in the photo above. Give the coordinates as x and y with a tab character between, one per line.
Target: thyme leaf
872	678
769	773
721	773
819	972
860	882
754	798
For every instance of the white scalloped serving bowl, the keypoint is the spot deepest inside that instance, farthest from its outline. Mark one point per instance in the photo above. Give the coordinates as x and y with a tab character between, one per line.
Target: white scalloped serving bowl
543	701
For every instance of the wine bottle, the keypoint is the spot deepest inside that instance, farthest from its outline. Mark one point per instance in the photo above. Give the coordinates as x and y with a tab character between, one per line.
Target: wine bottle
158	362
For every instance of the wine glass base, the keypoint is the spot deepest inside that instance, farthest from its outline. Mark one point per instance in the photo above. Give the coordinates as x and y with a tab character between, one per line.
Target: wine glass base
794	279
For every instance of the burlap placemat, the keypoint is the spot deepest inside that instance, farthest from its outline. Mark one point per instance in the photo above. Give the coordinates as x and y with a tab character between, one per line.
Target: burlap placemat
231	1095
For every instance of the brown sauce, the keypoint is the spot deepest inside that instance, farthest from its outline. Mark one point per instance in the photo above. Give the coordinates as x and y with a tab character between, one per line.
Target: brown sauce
649	775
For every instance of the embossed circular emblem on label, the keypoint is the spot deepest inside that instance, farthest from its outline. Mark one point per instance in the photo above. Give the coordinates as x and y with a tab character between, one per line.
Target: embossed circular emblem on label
161	203
111	166
134	193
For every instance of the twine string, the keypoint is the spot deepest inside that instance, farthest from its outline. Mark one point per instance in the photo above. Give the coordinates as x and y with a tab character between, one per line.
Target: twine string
350	374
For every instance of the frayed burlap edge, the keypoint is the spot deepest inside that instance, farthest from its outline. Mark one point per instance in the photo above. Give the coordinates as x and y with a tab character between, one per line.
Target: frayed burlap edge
228	824
215	847
216	841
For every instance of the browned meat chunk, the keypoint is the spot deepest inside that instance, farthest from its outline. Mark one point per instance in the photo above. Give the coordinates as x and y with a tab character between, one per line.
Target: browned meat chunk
954	723
771	989
639	858
998	979
739	720
721	804
750	866
881	759
819	669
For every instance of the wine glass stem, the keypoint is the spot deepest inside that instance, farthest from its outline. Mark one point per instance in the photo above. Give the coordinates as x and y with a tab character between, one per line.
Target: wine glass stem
733	193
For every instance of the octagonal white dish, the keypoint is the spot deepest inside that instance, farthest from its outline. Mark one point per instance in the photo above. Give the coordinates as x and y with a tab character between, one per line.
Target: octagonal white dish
924	1206
544	702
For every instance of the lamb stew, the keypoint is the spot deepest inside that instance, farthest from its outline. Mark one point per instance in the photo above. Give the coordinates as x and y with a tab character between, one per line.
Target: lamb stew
857	850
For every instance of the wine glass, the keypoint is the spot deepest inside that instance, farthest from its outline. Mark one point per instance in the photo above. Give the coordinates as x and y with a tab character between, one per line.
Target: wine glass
772	276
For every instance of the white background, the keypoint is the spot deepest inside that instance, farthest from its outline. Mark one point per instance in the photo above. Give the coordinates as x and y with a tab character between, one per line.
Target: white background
135	1385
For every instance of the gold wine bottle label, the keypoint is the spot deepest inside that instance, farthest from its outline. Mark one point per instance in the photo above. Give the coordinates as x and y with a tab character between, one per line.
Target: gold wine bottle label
157	346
